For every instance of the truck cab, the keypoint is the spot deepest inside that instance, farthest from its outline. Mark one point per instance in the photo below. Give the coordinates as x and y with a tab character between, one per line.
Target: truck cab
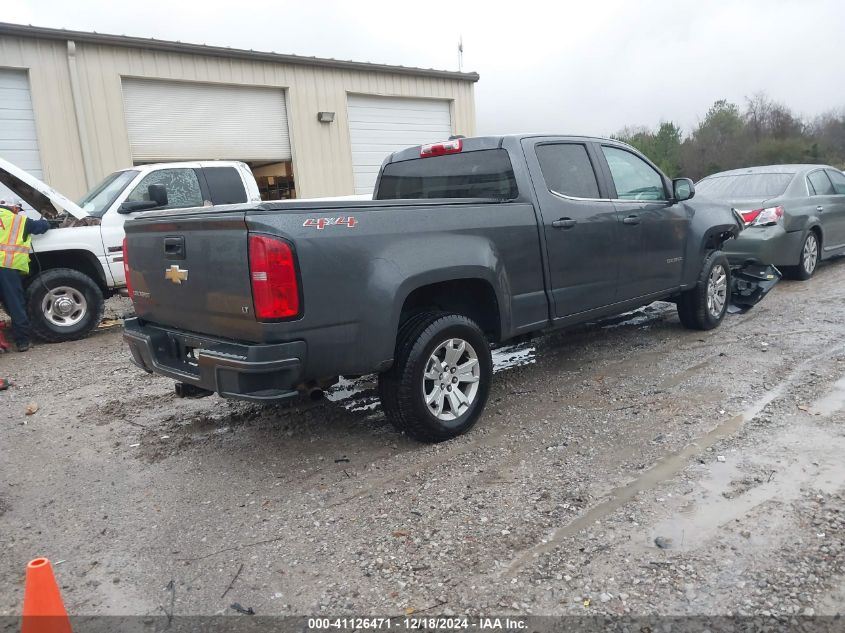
79	263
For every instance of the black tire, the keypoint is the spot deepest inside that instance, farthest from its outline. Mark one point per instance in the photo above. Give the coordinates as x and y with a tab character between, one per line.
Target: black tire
86	288
805	269
401	387
693	309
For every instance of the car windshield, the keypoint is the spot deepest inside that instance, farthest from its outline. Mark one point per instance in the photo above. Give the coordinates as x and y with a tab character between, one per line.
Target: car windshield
100	198
763	185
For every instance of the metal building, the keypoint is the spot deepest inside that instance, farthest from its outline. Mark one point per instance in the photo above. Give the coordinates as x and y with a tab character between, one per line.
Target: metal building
75	106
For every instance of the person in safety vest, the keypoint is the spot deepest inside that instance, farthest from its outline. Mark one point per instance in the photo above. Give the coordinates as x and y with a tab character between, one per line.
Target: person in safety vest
16	231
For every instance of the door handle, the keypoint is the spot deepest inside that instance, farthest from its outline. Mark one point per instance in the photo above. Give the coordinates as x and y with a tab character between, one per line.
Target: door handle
174	247
631	219
564	223
820	208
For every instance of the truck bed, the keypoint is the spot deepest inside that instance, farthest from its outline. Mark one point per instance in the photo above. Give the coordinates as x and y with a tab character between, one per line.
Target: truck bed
353	259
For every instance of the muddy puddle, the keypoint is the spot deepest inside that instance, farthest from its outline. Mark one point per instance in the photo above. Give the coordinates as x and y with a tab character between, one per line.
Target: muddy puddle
750	478
833	402
672	464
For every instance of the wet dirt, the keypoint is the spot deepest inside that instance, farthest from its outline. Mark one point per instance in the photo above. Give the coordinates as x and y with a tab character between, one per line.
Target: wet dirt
725	445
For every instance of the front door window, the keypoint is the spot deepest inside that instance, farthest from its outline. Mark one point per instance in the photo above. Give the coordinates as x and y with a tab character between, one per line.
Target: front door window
183	188
634	178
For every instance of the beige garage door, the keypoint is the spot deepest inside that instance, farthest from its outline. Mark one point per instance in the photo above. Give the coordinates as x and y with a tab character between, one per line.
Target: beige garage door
171	120
18	141
379	126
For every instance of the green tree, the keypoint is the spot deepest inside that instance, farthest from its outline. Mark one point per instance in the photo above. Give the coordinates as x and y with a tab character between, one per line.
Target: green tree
663	147
718	143
667	149
767	132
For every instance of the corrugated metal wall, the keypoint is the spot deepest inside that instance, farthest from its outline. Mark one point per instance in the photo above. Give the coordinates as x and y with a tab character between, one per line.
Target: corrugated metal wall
52	101
321	152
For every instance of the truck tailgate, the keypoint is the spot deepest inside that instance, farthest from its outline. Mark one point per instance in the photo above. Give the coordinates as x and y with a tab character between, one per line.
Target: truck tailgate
191	272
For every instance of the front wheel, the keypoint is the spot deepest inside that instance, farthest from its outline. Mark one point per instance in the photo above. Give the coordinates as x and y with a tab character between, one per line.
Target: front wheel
64	305
704	306
440	380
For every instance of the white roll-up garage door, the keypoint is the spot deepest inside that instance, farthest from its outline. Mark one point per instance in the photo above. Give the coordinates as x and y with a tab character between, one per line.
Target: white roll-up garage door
171	120
379	126
18	141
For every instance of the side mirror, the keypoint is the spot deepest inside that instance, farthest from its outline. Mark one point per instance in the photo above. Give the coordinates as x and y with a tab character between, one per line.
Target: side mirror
682	189
157	199
158	194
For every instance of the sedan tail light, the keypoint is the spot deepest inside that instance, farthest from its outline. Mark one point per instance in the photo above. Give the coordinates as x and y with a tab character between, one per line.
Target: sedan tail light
763	217
272	271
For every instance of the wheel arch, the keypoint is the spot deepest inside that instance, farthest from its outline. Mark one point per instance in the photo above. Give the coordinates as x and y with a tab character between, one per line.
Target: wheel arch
80	260
43	324
472	296
816	227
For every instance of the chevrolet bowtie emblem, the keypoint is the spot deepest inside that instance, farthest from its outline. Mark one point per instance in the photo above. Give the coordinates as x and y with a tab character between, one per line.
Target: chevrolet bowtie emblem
176	275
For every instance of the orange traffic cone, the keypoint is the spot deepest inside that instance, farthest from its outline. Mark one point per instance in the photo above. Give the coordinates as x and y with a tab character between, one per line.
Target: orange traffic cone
43	610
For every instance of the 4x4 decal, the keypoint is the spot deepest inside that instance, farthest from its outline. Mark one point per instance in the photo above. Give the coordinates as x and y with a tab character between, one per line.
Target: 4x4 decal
321	223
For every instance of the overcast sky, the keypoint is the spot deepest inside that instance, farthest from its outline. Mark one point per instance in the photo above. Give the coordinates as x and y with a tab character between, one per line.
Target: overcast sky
588	67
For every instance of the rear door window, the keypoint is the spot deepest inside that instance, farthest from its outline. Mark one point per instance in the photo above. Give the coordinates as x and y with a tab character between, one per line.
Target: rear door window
821	183
567	170
838	180
481	174
634	178
224	185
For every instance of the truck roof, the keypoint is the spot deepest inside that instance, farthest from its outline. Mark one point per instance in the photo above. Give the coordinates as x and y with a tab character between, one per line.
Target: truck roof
185	163
474	143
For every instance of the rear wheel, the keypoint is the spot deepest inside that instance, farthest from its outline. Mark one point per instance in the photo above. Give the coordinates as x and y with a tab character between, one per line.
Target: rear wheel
808	260
704	306
64	305
440	380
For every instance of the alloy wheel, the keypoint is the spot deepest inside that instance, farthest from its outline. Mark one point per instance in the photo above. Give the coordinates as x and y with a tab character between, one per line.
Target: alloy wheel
810	254
717	291
450	380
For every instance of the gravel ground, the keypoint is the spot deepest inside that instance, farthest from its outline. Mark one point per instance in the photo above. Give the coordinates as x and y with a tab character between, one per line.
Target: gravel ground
626	467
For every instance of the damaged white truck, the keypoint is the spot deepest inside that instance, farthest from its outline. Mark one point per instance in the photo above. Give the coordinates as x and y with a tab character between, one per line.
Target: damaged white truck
79	263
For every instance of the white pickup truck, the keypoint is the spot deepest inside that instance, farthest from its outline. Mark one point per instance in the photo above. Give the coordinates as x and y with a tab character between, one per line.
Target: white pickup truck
79	263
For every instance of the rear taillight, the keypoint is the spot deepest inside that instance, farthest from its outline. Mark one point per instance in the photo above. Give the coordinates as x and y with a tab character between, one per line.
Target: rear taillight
272	270
762	217
126	271
438	149
749	216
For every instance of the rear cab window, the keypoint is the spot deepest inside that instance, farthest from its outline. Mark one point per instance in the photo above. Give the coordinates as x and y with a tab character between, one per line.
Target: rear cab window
486	173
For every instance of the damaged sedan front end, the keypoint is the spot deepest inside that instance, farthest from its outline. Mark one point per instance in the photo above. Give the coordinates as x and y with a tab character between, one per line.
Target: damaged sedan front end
719	225
751	282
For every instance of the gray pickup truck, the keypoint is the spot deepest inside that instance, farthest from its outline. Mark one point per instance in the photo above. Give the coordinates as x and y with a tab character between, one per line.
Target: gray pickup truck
467	243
